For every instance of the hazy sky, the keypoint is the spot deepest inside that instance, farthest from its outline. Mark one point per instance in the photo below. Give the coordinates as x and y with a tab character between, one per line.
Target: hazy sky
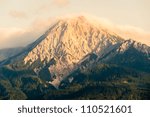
22	21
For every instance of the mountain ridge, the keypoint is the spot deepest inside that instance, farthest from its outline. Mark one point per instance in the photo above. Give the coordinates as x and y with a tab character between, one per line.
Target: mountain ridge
61	49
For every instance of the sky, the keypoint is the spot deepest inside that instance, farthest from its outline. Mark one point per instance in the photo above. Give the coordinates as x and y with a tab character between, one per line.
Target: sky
23	21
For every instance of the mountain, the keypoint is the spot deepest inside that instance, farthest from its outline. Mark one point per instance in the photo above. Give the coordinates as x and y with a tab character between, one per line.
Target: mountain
75	55
130	54
62	47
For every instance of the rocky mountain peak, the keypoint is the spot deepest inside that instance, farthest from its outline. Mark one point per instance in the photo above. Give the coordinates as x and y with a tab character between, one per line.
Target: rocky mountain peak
67	42
137	45
70	40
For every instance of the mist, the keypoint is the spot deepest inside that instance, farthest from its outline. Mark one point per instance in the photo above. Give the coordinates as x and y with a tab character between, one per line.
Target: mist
20	37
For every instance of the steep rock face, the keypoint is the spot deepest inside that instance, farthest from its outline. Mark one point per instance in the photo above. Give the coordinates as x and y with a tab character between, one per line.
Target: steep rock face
130	54
67	42
130	43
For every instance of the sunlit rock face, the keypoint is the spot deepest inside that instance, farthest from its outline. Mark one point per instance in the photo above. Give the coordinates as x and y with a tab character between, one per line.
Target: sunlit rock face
67	42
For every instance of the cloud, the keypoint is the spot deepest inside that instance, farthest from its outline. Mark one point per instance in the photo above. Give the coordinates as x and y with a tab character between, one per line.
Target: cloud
61	3
125	31
14	37
7	35
17	14
135	33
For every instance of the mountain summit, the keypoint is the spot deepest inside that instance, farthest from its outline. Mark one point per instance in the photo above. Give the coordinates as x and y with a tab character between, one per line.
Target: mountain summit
66	43
70	40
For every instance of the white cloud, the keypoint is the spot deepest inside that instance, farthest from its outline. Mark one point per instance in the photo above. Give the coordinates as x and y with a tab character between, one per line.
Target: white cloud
13	37
17	14
134	33
125	31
